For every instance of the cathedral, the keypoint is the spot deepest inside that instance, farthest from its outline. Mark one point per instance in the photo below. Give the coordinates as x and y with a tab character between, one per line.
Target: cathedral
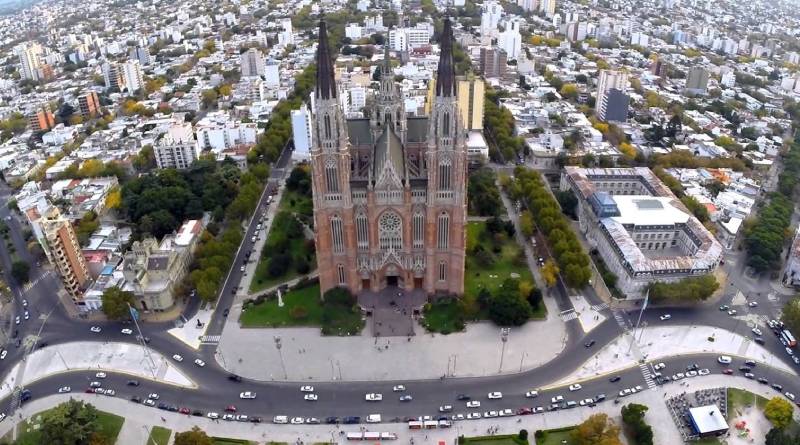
389	190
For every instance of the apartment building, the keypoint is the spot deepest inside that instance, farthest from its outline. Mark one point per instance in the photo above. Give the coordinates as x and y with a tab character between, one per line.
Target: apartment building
88	104
176	148
41	119
64	252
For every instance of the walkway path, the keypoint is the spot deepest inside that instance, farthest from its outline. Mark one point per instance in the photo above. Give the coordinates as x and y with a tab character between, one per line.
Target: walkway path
658	416
261	240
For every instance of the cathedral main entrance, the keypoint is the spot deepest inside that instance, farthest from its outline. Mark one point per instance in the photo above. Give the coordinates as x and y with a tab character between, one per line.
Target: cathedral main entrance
391	281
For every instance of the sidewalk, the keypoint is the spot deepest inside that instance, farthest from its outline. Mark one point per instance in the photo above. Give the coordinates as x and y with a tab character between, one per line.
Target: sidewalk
125	358
658	416
250	267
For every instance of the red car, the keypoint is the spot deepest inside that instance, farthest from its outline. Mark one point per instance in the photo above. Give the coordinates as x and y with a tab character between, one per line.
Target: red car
728	371
230	409
184	410
89	390
524	411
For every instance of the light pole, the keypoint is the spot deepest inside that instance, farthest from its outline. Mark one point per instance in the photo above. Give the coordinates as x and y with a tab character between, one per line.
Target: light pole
641	311
135	317
522	359
278	345
503	340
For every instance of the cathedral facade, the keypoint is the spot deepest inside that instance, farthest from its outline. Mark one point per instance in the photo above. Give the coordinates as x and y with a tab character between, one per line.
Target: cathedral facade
389	190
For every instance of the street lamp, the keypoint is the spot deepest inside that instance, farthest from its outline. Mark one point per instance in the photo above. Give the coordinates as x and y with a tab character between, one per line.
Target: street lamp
503	339
278	345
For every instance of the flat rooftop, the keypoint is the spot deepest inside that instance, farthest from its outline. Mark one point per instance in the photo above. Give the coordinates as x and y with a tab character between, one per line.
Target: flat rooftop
708	419
642	210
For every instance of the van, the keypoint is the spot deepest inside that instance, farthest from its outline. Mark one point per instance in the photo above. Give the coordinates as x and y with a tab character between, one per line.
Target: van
374	418
280	419
724	359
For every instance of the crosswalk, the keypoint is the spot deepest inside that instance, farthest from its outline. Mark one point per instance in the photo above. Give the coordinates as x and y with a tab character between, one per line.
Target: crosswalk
210	339
600	307
30	284
621	320
648	378
568	315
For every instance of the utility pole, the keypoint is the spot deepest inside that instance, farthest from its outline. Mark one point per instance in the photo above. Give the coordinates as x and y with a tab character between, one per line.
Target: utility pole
503	340
639	319
278	345
140	337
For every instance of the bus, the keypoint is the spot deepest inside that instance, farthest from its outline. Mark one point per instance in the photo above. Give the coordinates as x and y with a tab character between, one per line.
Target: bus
789	338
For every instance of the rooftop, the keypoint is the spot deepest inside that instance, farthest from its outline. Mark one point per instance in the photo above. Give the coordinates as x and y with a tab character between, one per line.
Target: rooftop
640	210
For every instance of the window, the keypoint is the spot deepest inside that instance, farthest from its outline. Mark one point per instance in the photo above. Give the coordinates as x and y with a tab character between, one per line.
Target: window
442	271
331	176
362	231
444	174
342	277
337	234
443	231
327	126
446	124
419	230
390	231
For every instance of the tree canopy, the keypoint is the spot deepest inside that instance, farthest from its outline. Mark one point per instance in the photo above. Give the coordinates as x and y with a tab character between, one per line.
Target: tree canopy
195	436
70	423
779	412
598	429
115	303
483	195
633	418
688	289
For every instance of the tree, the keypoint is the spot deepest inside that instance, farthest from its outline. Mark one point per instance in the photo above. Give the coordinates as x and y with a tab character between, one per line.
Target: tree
69	423
777	436
550	273
689	289
779	412
791	314
526	224
569	91
633	417
507	308
598	429
194	437
20	271
115	303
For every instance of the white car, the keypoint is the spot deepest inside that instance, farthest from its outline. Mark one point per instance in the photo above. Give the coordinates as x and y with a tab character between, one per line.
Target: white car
27	315
64	389
472	416
149	402
691	373
297	421
247	395
506	413
557	399
127	331
585	402
110	392
445	408
724	359
575	387
100	375
491	414
732	312
495	395
241	269
153	396
306	388
3	354
373	418
24	303
399	388
532	394
177	358
311	397
625	392
95	329
16	320
280	420
665	317
199	362
213	416
756	331
373	397
474	404
704	371
658	366
789	396
638	388
753	303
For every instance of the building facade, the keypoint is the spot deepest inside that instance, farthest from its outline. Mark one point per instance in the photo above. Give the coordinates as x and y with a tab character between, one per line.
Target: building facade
389	190
252	63
176	148
41	119
64	252
493	62
88	104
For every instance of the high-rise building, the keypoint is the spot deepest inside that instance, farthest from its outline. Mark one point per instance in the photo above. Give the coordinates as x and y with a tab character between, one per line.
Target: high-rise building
470	102
88	104
30	60
64	252
490	18
272	73
548	7
252	63
389	191
112	74
697	80
286	36
176	148
510	40
609	79
132	76
41	119
576	31
613	106
142	54
493	62
659	67
301	133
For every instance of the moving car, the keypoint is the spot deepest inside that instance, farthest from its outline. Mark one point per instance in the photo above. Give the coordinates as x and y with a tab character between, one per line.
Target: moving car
665	317
474	404
247	395
398	388
311	397
199	362
100	375
306	388
133	383
463	397
373	397
3	354
532	394
756	331
616	378
95	329
589	343
575	387
445	408
658	366
557	399
406	398
64	389
495	395
753	304
153	396
177	358
724	359
127	331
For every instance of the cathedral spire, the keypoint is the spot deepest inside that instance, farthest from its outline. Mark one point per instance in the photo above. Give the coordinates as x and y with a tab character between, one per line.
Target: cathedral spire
446	73
387	63
326	83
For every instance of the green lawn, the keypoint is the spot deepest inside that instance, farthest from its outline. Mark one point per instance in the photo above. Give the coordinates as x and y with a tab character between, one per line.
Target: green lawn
159	436
708	441
556	437
268	314
493	440
739	398
229	441
491	276
303	307
109	425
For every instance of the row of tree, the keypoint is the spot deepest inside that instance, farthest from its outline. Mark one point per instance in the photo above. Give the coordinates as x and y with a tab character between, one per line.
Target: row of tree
688	289
543	209
499	124
765	236
483	195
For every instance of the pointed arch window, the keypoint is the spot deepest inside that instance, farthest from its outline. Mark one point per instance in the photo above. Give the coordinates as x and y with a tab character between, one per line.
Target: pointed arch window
419	229
337	234
362	231
443	229
342	276
331	176
327	123
446	124
445	173
390	231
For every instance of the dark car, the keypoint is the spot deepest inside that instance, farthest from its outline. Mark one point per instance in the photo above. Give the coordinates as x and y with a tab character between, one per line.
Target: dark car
184	410
616	378
692	367
524	411
136	399
762	380
777	387
197	413
332	420
42	344
133	383
350	420
162	405
463	397
26	395
255	419
750	363
759	340
172	408
599	397
227	311
234	378
230	409
744	369
589	343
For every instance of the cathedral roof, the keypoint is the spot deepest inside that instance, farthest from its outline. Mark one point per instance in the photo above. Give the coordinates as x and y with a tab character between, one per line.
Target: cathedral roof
389	149
326	82
446	72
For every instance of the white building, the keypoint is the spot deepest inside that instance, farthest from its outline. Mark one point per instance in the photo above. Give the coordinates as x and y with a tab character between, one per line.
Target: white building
217	132
286	36
353	31
301	133
640	38
490	18
30	60
358	99
548	7
728	79
609	79
176	148
59	135
252	63
510	40
132	76
272	74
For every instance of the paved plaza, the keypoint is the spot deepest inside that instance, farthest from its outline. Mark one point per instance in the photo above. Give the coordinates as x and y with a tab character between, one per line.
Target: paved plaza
140	418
